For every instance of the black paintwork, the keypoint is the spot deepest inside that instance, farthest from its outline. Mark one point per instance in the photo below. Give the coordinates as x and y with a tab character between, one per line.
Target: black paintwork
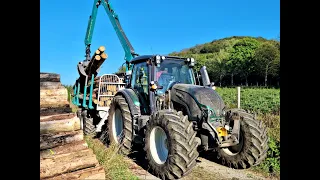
130	95
186	95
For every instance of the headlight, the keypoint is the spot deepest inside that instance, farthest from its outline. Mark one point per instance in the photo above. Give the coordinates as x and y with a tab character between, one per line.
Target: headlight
192	62
158	59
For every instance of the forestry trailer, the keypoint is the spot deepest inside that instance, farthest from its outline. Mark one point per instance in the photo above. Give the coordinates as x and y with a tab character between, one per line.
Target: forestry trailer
161	105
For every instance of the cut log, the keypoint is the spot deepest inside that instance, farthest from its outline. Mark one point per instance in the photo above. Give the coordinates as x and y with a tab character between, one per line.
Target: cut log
97	57
104	56
53	140
102	48
54	92
68	162
57	126
47	111
88	173
53	104
50	85
53	97
67	148
97	52
57	117
49	77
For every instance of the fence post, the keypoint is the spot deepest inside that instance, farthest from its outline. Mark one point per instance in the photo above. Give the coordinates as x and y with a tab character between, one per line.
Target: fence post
238	88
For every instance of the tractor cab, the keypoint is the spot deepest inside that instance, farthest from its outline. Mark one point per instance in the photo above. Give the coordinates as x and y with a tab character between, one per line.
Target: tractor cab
163	71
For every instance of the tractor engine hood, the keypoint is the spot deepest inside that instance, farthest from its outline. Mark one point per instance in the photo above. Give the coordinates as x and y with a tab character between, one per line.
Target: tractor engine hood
188	93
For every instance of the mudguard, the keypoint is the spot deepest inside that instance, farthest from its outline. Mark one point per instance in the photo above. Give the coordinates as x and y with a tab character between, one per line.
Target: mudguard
132	100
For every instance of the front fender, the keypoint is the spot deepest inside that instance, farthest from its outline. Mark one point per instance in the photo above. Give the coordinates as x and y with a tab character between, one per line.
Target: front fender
132	100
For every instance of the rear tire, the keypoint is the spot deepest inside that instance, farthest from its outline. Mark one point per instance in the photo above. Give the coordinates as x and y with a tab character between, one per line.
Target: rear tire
179	139
87	124
88	127
253	146
119	125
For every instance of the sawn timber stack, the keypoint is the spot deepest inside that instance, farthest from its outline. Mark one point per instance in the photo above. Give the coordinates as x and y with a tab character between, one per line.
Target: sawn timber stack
63	152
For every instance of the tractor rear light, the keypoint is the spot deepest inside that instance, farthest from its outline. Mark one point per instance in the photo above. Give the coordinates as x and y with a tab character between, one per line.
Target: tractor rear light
214	88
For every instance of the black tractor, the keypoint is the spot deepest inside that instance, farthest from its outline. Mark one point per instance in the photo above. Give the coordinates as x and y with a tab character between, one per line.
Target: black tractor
167	111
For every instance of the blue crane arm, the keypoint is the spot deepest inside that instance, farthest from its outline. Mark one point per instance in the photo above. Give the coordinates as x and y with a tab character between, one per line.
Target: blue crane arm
114	19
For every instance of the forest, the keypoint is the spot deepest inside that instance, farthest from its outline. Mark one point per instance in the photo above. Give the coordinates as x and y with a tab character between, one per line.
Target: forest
237	61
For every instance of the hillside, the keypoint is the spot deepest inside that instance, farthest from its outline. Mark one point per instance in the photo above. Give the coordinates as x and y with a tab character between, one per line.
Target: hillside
238	60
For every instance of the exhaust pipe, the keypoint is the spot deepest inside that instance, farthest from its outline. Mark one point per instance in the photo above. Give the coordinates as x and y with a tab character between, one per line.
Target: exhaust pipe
205	76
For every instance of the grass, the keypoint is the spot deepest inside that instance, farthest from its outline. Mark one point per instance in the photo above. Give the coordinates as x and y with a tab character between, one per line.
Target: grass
260	100
271	165
114	164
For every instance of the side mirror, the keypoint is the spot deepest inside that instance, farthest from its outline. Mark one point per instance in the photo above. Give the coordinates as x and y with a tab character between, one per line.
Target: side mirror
205	76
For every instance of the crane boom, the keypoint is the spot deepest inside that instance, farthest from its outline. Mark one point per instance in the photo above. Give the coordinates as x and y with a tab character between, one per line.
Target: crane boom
114	19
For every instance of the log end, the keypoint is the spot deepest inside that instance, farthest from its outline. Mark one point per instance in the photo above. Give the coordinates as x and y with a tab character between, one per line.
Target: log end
104	56
102	48
97	57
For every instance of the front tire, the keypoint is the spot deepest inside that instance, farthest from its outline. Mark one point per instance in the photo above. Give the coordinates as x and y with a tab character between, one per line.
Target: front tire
170	144
253	144
120	125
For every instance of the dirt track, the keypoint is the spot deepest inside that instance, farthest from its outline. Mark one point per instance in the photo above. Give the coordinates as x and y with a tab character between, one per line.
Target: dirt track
205	170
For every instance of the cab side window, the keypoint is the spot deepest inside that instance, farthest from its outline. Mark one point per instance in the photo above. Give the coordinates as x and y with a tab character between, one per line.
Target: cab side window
140	77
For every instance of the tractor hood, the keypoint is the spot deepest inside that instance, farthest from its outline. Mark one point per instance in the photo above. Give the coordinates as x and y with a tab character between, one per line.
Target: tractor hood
204	95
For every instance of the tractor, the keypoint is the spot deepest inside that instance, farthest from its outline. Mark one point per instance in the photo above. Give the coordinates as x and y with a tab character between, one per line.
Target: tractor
165	106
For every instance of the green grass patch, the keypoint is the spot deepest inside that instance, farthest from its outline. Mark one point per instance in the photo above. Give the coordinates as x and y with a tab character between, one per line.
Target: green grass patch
115	166
259	100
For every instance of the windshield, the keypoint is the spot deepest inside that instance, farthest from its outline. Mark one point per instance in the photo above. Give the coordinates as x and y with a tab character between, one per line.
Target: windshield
171	71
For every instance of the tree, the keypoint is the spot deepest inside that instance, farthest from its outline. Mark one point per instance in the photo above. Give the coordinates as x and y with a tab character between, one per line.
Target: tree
268	59
242	57
121	69
217	65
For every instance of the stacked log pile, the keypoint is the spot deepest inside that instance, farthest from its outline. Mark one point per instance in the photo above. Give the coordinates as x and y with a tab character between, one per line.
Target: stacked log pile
63	152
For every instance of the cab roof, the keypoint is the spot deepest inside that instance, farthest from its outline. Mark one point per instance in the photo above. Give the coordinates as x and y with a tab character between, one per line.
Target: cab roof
145	57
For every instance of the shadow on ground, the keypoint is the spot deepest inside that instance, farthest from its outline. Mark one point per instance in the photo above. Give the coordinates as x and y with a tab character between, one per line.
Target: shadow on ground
138	156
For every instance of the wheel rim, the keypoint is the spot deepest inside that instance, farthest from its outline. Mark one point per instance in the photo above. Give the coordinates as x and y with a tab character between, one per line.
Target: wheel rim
236	149
117	125
159	145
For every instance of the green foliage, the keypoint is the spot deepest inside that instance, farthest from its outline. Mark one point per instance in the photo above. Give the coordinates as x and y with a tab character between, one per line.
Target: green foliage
236	57
268	58
242	56
121	69
272	163
257	100
70	91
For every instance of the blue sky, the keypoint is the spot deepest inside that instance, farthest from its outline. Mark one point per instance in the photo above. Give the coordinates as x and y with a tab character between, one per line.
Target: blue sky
153	27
